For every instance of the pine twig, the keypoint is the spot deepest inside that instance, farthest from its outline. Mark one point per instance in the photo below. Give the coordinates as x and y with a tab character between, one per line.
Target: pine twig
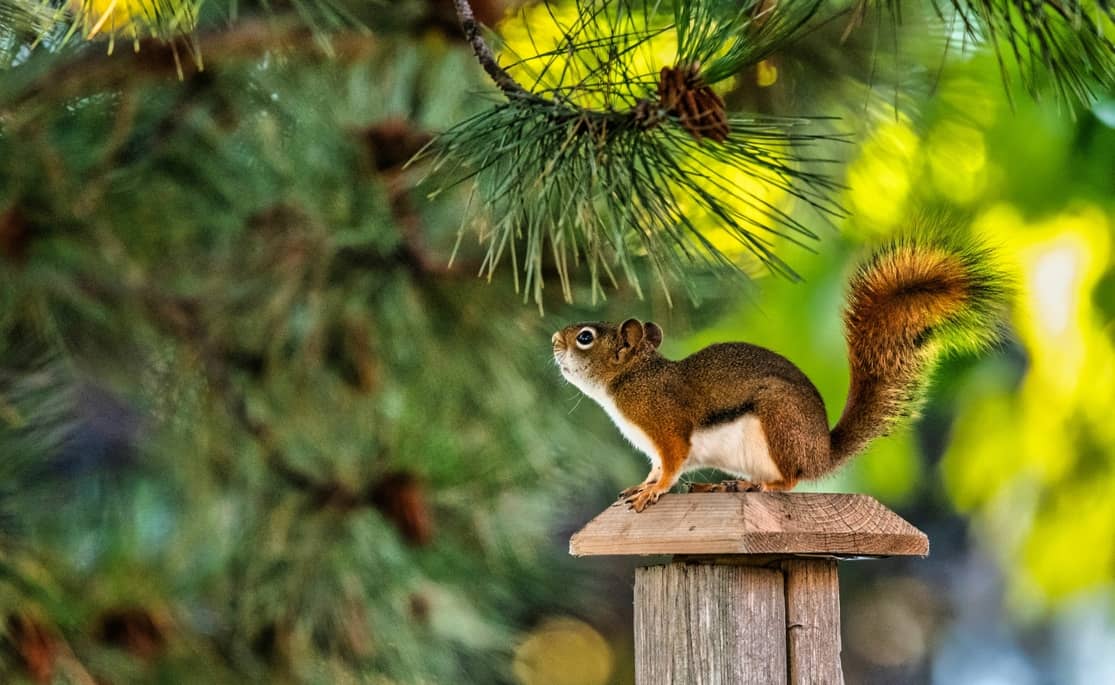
484	54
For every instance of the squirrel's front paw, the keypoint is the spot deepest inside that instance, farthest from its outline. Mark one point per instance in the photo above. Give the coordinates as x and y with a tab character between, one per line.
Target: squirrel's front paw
625	494
642	498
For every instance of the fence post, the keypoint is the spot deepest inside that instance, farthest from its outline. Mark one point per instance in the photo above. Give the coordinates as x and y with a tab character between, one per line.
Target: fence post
751	595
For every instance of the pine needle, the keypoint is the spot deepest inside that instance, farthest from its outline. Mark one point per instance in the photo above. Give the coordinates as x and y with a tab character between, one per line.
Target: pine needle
595	163
1063	45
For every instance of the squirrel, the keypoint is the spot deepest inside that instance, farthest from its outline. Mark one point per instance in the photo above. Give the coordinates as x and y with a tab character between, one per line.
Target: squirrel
752	413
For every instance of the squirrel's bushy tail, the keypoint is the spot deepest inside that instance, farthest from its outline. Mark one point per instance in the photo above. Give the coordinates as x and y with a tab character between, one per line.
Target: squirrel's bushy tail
908	304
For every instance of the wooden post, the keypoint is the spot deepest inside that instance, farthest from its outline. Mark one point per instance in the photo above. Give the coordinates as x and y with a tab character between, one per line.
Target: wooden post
751	595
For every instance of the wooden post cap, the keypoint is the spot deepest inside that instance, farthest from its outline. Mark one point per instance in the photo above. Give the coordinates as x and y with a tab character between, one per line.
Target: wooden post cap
755	523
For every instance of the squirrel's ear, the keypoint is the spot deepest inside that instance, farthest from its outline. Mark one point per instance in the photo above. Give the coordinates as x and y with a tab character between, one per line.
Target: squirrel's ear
653	332
631	332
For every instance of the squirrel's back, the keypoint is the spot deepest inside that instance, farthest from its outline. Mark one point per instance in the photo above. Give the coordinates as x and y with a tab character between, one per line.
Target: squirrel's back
740	361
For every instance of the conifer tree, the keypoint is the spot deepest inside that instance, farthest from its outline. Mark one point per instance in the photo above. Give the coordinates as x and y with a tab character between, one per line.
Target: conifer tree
259	418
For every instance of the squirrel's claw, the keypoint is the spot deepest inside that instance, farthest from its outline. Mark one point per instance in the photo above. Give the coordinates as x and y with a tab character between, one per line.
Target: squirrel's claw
628	495
630	491
646	496
634	489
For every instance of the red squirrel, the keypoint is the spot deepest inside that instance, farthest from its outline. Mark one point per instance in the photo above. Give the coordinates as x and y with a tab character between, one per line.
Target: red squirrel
750	412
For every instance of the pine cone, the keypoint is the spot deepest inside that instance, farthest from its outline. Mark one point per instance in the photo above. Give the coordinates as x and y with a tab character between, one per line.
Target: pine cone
683	93
134	629
420	608
15	235
401	498
392	142
351	350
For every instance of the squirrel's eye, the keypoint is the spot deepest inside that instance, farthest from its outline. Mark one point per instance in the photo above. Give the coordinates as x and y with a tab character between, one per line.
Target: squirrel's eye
585	337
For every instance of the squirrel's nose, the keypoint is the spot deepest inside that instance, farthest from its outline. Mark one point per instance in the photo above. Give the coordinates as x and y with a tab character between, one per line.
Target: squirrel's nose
555	338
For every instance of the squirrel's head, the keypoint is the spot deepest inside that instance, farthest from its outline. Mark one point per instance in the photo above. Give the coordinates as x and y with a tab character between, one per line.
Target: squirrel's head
590	355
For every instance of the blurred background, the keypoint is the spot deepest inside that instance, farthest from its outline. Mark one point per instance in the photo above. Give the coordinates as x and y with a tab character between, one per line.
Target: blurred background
256	425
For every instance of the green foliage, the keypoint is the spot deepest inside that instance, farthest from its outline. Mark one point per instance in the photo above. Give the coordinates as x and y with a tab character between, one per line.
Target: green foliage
326	444
18	17
605	192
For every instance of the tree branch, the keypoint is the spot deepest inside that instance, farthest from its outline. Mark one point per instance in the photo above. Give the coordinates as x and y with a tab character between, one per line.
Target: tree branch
483	52
90	69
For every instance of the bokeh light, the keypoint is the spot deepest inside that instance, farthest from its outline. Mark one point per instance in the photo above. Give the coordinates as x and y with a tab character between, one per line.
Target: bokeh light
563	651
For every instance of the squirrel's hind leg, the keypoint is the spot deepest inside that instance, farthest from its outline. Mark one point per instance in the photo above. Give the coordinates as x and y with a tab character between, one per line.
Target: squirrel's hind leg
779	486
797	434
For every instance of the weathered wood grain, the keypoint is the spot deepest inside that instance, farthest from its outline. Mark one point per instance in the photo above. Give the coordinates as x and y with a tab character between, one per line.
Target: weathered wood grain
813	621
710	625
752	523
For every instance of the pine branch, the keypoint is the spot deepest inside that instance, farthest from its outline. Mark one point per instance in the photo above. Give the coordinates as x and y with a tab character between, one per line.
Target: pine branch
180	318
608	156
57	78
471	28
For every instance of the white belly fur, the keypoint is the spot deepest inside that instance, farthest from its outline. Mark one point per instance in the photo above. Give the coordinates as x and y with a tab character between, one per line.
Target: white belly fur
738	447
